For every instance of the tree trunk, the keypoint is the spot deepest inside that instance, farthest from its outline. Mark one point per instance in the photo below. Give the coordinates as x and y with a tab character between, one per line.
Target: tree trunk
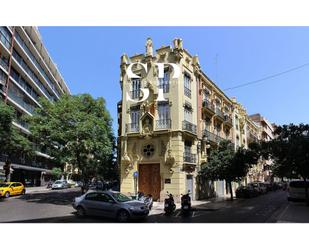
231	190
306	191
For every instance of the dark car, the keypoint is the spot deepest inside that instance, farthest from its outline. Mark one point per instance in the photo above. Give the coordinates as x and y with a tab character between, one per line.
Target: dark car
109	204
246	192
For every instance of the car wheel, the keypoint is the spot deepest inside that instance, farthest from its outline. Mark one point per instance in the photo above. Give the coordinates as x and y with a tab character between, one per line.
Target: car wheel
123	216
80	212
7	194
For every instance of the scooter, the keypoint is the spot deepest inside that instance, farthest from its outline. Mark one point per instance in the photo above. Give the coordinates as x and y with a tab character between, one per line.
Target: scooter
169	204
186	203
148	200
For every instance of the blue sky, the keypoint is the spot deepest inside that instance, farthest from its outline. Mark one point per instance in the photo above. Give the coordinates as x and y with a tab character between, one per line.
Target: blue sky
89	58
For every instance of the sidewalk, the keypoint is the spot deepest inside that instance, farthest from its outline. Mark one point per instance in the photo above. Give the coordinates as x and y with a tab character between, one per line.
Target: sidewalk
213	203
30	190
295	212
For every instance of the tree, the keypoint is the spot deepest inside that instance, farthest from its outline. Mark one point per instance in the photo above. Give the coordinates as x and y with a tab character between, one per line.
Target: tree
56	173
12	141
290	152
75	130
226	164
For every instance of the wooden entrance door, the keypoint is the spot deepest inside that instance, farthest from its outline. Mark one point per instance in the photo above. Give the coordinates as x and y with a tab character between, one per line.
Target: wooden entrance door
149	180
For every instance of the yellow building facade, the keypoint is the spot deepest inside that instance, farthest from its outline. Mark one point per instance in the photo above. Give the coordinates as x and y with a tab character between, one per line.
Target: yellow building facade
170	117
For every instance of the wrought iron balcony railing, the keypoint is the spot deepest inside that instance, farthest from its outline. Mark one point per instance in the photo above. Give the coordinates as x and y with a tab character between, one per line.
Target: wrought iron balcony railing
188	157
163	124
212	136
227	119
219	113
207	104
187	92
187	126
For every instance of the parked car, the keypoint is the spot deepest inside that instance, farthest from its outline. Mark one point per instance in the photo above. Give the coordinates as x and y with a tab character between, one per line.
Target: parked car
296	190
109	204
259	186
246	192
8	189
269	186
78	184
60	184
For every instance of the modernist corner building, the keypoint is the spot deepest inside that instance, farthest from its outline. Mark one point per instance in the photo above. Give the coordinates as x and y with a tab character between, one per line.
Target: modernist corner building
162	142
26	73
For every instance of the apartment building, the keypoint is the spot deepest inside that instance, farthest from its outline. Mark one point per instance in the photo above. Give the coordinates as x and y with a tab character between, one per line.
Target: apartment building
266	134
27	73
162	143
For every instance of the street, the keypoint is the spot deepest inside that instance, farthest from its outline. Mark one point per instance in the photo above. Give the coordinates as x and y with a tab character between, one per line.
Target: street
55	206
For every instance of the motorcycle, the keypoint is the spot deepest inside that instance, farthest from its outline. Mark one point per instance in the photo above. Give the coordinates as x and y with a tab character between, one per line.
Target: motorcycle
49	184
186	203
148	200
169	204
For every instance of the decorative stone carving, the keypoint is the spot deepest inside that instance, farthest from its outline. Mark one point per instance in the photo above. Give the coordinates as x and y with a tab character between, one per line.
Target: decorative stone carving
170	159
163	148
149	47
178	43
147	126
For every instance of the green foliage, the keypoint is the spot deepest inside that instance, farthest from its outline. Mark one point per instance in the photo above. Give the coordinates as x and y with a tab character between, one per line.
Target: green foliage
226	164
12	141
289	151
75	130
56	173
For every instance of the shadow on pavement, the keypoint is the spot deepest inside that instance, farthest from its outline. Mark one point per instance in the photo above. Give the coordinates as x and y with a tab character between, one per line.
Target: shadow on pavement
52	197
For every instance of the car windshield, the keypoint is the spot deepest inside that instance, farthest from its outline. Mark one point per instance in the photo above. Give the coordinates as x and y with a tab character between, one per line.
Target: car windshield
121	197
3	185
58	182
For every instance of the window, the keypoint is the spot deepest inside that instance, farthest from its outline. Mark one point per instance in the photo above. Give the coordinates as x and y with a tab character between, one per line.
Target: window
104	198
187	85
164	82
148	150
164	111
136	87
164	120
188	145
135	116
188	114
91	196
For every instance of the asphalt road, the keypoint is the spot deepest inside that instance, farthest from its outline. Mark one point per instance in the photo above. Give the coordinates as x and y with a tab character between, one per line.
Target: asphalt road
55	206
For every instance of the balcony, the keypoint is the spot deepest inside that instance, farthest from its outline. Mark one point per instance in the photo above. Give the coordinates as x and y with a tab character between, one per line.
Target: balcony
252	138
187	126
212	137
163	124
132	127
187	92
20	101
208	106
228	121
4	40
4	63
3	78
219	113
188	157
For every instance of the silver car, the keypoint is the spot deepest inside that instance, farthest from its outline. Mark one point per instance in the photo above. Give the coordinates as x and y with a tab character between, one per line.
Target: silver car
109	204
60	184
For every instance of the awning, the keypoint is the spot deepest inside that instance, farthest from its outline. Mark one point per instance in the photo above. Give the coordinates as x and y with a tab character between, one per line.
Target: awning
18	166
